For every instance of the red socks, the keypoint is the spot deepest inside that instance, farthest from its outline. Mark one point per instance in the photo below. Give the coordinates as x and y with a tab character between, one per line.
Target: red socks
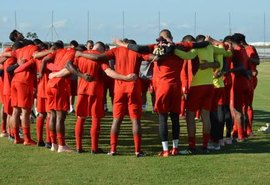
48	139
26	134
39	128
250	120
137	143
95	131
79	132
53	137
4	126
61	139
113	142
192	142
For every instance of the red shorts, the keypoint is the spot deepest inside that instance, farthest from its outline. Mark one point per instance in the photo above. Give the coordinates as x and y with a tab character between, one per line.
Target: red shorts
73	87
8	109
42	105
131	102
200	97
22	95
168	98
57	99
218	98
90	105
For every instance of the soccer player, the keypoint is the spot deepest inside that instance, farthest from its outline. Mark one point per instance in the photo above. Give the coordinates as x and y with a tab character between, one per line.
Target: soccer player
89	44
200	93
127	95
254	60
240	87
58	93
42	95
22	91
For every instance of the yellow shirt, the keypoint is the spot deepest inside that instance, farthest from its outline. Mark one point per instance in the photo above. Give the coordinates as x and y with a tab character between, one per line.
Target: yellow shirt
218	82
203	76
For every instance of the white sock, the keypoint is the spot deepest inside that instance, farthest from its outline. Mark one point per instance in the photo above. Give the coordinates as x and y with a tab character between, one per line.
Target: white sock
165	145
175	143
71	108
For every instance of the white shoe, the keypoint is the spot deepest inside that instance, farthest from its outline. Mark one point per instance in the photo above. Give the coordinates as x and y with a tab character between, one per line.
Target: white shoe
64	149
213	146
221	142
54	147
228	141
4	134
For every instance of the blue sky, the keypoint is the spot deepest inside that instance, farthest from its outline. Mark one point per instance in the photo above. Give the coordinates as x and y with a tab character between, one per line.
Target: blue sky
141	18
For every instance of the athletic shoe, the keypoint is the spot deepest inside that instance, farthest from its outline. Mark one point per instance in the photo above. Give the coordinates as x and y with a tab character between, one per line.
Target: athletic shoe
189	151
41	144
19	141
240	140
205	150
48	145
139	154
111	153
54	147
21	133
164	153
221	142
174	151
228	141
64	149
98	151
79	151
11	139
4	134
29	143
210	145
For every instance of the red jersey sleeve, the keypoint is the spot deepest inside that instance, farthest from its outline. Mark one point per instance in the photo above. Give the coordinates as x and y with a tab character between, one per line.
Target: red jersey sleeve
110	54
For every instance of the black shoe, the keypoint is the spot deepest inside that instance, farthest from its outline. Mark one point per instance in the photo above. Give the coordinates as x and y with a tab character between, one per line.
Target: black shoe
205	150
140	154
48	145
41	144
98	151
79	151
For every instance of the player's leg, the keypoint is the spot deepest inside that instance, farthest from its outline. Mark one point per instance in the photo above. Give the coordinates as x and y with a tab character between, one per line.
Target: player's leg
115	128
52	128
137	136
26	126
205	114
79	130
4	122
16	124
60	130
175	132
163	133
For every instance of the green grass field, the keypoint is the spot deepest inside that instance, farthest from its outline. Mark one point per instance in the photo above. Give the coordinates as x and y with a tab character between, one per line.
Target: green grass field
242	163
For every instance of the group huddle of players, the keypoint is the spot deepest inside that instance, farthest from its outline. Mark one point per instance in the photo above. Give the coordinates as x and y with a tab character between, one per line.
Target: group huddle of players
197	77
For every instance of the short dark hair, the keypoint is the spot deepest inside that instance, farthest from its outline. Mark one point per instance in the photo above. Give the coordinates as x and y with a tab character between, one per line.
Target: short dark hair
37	41
74	43
81	47
13	35
59	44
188	38
228	38
131	41
200	38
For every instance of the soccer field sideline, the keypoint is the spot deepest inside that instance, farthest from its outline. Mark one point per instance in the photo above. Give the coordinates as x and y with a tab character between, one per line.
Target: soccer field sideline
242	163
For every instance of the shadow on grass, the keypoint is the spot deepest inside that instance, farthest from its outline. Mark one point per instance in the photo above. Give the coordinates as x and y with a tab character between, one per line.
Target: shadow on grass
151	142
